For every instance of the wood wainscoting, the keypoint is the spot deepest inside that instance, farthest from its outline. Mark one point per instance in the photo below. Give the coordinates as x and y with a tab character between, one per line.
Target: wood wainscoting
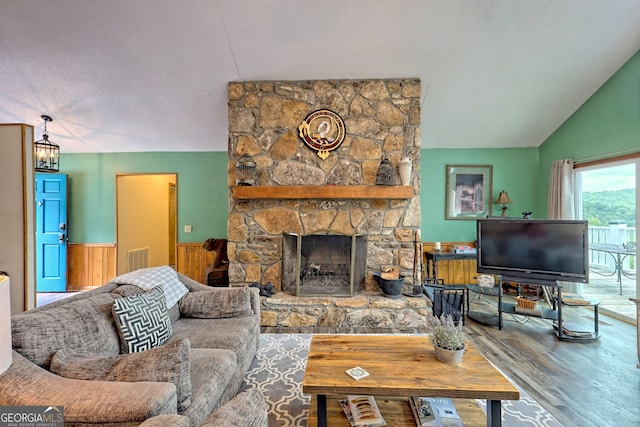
455	271
192	260
93	264
90	265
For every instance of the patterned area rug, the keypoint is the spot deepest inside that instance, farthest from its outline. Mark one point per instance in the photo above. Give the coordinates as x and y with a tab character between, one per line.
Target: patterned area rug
279	368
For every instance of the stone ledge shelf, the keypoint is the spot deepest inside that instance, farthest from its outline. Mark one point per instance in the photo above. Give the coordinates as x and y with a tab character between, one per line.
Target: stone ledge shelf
323	192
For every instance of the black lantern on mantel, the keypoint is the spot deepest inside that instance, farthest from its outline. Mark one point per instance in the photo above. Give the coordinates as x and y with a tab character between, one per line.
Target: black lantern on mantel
246	172
386	175
46	154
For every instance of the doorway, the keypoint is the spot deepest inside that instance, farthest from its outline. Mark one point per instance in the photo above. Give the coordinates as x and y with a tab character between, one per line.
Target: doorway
607	197
51	232
145	220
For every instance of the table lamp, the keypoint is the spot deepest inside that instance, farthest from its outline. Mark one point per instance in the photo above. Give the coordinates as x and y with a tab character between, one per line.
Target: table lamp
504	200
5	324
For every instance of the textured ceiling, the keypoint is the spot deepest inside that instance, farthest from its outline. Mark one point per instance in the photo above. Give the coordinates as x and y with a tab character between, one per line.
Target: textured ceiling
151	75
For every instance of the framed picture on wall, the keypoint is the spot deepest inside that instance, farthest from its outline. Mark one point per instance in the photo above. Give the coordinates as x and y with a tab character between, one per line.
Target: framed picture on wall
468	192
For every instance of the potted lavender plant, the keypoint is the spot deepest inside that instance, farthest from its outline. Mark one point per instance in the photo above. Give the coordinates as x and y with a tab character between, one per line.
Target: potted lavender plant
448	338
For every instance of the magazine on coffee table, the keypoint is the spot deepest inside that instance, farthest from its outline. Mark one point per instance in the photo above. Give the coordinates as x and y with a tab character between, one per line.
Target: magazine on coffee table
362	411
435	412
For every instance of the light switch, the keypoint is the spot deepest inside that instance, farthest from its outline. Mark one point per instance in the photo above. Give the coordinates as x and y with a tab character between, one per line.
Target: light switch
187	229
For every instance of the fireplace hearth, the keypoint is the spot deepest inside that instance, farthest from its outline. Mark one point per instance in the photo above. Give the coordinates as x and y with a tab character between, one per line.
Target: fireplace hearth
324	264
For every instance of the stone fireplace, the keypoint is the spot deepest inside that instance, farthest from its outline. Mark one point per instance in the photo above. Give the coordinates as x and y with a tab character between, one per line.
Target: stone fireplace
298	193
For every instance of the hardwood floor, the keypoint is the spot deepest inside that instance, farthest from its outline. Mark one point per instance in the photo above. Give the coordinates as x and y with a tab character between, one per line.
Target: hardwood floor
580	384
43	298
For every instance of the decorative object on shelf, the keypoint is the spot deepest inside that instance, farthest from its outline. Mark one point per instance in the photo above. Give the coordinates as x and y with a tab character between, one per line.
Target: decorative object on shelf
385	175
404	168
486	281
5	323
437	246
46	154
504	200
468	192
527	302
390	282
322	131
448	338
246	172
526	215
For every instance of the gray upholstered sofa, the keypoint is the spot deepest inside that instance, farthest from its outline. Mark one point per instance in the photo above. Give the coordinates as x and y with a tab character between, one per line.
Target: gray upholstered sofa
69	353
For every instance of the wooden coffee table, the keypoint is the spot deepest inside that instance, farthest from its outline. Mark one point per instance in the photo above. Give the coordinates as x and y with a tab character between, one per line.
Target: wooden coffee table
400	367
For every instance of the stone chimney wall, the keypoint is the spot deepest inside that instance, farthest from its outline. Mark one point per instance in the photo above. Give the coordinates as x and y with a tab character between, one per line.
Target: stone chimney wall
382	119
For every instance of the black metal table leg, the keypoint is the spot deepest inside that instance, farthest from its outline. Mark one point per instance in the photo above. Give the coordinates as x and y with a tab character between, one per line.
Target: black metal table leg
494	413
322	410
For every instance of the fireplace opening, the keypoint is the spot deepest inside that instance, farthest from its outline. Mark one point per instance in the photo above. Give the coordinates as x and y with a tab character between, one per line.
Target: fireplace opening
324	264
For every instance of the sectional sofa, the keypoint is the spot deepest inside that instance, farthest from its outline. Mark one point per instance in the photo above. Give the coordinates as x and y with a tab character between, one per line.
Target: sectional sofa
133	352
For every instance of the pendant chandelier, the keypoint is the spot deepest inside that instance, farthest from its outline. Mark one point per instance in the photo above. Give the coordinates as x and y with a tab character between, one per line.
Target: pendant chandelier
46	154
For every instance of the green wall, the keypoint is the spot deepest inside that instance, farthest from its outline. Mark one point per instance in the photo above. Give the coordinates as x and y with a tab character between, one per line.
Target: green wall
203	194
607	124
202	191
514	170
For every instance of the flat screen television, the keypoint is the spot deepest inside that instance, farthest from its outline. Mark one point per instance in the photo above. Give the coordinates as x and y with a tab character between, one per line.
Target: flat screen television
534	251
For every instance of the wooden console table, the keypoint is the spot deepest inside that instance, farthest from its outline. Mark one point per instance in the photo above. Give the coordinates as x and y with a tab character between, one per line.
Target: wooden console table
400	367
432	258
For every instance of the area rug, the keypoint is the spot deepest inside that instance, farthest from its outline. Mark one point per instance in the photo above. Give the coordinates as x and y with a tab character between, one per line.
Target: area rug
278	370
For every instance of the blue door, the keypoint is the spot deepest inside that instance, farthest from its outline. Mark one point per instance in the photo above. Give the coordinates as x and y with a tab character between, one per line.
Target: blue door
51	232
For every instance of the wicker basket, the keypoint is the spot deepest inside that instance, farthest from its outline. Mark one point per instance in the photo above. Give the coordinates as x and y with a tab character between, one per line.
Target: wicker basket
526	303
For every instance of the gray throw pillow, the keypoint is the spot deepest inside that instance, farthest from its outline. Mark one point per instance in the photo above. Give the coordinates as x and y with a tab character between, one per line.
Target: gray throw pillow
86	324
167	363
217	303
142	320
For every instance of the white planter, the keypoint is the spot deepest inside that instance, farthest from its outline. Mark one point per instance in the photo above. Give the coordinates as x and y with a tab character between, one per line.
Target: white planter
448	356
404	167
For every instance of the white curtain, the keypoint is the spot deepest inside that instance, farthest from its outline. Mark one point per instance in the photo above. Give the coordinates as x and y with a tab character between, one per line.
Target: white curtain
561	190
562	202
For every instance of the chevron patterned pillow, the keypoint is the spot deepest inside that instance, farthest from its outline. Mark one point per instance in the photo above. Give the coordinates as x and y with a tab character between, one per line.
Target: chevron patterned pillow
142	320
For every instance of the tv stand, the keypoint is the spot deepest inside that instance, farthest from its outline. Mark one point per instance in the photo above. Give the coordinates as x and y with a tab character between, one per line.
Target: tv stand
496	319
489	319
554	313
573	336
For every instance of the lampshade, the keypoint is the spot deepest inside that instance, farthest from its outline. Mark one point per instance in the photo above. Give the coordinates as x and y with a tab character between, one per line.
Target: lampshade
5	324
503	199
46	154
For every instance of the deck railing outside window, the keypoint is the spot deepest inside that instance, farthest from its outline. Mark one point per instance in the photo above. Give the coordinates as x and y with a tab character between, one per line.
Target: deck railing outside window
614	235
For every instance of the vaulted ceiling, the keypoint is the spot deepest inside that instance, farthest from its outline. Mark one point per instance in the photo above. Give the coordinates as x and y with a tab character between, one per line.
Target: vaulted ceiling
151	75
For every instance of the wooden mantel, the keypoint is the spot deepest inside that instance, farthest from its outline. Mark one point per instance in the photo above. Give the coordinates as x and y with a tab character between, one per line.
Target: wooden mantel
323	192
